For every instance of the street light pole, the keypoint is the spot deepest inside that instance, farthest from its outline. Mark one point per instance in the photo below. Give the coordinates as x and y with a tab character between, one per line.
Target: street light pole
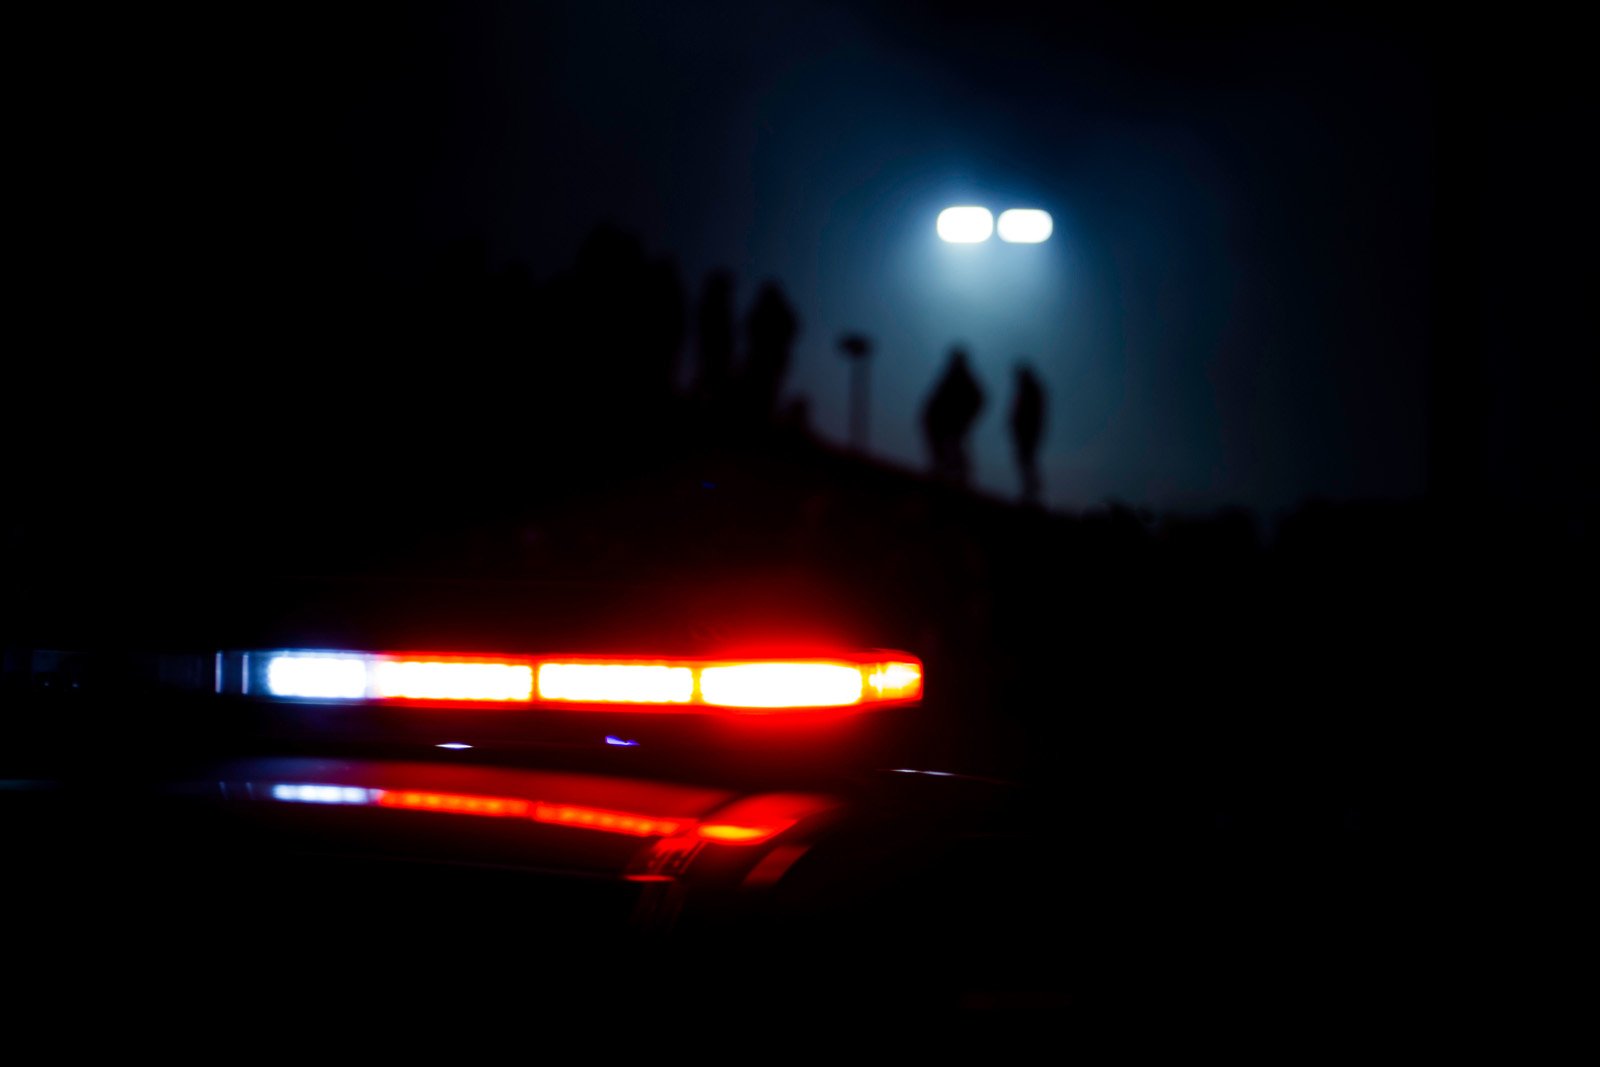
857	348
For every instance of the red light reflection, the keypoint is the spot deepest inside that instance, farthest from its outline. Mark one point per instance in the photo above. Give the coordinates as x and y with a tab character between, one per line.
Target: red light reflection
587	818
453	803
751	820
616	822
758	819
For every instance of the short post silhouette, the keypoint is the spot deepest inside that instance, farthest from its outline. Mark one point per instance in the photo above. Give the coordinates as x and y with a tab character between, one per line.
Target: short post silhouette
857	348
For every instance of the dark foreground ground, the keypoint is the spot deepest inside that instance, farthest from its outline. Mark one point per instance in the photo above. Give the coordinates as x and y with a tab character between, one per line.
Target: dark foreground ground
1203	779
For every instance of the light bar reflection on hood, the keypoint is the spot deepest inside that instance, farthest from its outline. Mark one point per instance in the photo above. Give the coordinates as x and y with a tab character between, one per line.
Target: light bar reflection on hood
748	821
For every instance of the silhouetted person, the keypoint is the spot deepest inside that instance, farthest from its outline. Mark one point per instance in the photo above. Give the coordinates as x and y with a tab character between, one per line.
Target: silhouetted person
714	339
771	330
948	417
1027	428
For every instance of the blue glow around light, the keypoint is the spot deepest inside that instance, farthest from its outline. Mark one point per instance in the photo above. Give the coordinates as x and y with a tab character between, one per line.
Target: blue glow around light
453	744
321	794
619	741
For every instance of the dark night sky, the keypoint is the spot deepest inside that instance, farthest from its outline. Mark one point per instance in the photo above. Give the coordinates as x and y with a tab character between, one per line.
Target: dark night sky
1239	305
1233	309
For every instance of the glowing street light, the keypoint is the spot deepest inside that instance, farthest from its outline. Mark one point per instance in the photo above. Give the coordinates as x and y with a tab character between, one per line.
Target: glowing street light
965	225
970	225
1025	225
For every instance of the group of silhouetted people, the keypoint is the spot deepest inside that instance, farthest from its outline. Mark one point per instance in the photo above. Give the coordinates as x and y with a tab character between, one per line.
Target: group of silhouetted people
753	386
953	408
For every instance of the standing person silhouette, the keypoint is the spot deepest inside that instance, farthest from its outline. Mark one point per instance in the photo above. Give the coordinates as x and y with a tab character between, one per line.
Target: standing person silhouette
771	330
1027	429
948	417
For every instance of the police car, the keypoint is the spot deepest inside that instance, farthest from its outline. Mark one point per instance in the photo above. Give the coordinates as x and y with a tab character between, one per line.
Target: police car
666	809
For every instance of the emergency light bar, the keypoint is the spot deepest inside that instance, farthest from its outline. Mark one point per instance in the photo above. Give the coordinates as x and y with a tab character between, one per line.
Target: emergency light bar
746	686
